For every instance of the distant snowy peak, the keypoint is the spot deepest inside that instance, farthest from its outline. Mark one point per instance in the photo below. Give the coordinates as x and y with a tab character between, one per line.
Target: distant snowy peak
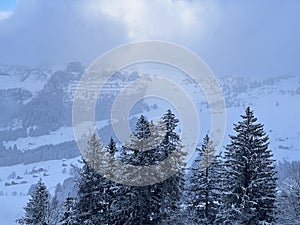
28	78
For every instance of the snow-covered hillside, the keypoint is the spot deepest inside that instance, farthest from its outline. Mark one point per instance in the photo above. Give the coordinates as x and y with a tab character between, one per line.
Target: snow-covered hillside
17	181
37	111
30	128
31	79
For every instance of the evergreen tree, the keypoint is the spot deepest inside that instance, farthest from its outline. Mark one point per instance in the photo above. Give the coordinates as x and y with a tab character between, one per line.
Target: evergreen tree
114	192
67	217
250	176
139	150
158	203
204	189
172	188
90	205
142	128
112	148
141	203
154	143
37	209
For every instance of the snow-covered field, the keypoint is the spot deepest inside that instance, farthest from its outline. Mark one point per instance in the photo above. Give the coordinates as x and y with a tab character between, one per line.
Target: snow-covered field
17	180
63	134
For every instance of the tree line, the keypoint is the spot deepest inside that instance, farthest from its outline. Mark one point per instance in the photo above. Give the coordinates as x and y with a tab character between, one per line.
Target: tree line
238	186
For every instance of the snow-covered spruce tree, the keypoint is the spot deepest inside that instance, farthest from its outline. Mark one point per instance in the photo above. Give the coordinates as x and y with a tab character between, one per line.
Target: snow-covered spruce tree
204	191
138	148
151	143
250	183
111	147
140	202
171	190
67	217
114	193
90	205
37	209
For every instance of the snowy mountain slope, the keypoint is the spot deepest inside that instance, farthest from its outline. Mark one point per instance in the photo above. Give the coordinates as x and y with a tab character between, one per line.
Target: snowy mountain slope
16	183
31	79
47	118
18	85
63	134
275	102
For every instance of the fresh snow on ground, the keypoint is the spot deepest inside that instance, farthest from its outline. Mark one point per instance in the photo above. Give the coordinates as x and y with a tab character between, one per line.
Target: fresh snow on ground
61	135
20	178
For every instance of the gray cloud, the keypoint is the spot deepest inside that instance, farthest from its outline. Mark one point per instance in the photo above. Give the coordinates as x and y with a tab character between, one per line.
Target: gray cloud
55	32
254	38
240	38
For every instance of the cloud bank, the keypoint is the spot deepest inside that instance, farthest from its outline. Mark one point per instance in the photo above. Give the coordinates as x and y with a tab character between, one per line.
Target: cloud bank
243	38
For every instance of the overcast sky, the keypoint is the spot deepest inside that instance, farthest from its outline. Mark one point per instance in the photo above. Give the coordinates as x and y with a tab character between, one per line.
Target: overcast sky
260	38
